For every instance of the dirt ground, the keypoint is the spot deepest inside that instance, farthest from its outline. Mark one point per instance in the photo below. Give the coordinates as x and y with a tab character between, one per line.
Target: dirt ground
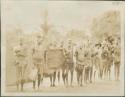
102	87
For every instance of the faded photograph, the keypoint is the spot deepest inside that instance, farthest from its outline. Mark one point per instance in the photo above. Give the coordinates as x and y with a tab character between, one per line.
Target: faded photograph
62	48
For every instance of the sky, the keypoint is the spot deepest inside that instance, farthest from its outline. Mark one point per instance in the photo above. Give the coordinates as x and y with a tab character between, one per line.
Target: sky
62	15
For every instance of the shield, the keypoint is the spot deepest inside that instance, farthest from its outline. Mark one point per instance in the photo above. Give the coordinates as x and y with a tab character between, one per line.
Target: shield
54	58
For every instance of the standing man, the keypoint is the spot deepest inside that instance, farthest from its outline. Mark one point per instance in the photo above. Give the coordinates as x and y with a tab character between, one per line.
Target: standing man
86	62
117	59
20	55
80	65
69	61
38	58
89	51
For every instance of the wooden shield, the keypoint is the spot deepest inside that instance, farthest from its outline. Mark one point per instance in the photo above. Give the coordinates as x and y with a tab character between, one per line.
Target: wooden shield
54	58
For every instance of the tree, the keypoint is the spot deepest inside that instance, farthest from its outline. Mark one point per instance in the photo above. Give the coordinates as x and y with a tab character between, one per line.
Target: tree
108	24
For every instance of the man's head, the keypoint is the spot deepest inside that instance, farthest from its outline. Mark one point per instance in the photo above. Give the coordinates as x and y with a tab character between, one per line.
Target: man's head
98	45
39	39
21	42
69	41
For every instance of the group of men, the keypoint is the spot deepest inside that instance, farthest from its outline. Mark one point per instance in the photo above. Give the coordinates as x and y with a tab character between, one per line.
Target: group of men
96	60
35	54
22	58
91	60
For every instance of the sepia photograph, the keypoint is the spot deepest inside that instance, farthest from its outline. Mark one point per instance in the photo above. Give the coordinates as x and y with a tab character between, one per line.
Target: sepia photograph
62	48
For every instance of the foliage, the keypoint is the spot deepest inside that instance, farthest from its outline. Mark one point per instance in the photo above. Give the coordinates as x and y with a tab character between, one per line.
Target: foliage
108	24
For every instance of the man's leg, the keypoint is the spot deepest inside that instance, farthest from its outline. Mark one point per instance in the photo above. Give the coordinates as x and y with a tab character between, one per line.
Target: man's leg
58	77
34	84
54	78
91	70
118	71
18	77
63	77
81	76
39	78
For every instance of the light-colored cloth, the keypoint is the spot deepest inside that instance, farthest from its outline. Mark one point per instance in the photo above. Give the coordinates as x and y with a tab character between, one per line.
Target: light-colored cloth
33	74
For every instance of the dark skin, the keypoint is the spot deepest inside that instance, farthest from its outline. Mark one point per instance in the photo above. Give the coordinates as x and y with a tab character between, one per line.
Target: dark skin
68	67
39	42
22	81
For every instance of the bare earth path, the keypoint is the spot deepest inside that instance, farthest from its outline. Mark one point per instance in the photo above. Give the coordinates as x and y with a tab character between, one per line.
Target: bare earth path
102	87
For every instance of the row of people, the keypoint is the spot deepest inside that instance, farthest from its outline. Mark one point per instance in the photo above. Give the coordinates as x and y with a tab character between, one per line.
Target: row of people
97	59
91	60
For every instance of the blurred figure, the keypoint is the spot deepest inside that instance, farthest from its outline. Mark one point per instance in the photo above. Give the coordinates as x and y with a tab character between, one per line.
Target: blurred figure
80	65
117	57
69	63
38	58
20	63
